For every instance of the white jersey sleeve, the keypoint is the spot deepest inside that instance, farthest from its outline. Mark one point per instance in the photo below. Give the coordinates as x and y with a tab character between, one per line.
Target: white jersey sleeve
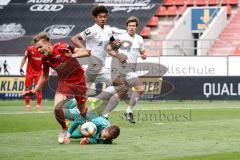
88	33
141	45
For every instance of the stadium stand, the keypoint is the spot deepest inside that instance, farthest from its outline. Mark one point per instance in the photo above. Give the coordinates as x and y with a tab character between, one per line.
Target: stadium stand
228	41
175	8
20	21
155	22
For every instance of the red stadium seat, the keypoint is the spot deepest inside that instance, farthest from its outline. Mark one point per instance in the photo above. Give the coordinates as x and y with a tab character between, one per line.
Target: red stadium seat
168	2
229	10
233	2
153	22
181	10
179	2
201	2
213	2
172	11
162	11
190	2
228	42
237	51
224	2
146	32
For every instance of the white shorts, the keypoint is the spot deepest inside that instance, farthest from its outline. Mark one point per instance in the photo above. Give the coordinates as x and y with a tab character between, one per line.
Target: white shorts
103	75
96	72
126	72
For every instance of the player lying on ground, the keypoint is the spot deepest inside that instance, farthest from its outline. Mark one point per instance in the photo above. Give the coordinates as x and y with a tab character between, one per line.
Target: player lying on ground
33	72
105	132
71	82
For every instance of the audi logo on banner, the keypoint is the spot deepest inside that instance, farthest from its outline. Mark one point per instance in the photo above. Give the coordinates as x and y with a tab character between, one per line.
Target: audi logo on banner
46	7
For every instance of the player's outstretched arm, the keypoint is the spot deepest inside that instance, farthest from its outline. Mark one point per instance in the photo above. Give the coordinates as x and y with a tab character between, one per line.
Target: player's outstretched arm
43	79
81	52
68	138
76	40
88	141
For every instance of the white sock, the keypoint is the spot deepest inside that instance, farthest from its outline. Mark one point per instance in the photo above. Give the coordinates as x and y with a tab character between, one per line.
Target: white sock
106	115
129	109
113	102
133	101
107	94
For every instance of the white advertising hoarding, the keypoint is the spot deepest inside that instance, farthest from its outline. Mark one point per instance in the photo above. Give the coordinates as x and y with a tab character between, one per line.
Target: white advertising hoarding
233	66
195	66
177	65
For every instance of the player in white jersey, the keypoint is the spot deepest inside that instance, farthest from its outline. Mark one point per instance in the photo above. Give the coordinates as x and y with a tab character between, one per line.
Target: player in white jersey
97	37
132	46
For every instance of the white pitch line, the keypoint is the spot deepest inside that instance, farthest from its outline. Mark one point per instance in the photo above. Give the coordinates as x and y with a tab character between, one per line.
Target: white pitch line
180	108
158	123
23	112
137	109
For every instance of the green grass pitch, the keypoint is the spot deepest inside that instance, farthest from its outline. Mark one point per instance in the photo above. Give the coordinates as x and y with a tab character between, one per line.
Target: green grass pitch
171	130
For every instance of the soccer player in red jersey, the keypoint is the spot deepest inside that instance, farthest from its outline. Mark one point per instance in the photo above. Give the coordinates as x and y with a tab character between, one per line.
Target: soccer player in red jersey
33	73
71	82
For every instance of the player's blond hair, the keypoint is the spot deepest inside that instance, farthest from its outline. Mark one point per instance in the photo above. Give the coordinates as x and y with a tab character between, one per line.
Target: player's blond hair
132	19
41	35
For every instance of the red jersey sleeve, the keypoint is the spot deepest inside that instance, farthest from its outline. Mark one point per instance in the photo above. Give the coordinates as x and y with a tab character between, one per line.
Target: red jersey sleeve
62	46
26	54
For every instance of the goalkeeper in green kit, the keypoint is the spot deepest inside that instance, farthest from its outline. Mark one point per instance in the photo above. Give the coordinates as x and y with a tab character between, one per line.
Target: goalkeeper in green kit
105	132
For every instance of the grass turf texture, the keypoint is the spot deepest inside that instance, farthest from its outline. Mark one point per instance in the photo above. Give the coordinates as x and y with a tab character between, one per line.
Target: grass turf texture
172	130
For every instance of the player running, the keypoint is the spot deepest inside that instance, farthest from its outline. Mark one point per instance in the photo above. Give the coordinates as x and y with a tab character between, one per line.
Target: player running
97	37
71	82
131	46
33	72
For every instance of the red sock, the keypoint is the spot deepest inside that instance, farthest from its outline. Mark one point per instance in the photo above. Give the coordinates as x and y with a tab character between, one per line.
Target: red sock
27	100
39	97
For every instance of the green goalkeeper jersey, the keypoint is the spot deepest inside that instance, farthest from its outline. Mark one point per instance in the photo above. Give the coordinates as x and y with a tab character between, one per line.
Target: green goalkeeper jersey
73	113
100	122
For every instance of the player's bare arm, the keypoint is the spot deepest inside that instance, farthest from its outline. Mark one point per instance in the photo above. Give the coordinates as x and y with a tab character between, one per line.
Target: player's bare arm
77	52
77	41
143	54
43	79
22	64
41	82
81	52
114	53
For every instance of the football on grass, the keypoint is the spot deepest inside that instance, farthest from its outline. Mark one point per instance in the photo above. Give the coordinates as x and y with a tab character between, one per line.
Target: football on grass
88	129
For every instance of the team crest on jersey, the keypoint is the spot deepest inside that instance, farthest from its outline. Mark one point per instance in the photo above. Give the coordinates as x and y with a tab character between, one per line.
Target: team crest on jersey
100	44
87	32
58	57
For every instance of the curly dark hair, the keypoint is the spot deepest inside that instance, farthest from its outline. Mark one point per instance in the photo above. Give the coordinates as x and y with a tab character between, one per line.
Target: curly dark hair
99	9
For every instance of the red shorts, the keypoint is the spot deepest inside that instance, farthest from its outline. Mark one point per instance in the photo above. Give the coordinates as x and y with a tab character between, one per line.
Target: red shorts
73	90
30	79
